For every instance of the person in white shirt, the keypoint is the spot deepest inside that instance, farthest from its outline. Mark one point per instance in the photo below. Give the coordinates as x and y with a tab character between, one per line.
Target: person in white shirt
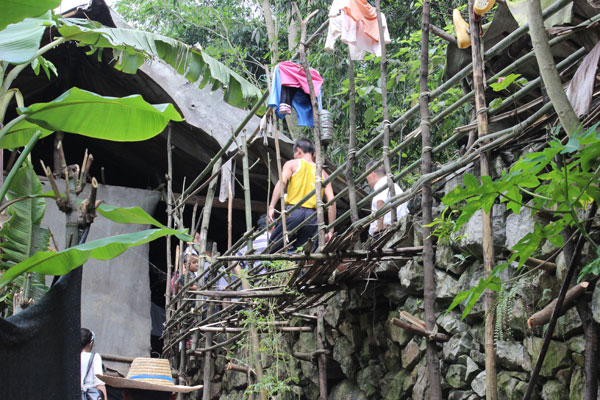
89	380
377	180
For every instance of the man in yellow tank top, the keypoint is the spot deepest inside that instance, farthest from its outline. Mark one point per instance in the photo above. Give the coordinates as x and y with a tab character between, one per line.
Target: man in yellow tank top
299	176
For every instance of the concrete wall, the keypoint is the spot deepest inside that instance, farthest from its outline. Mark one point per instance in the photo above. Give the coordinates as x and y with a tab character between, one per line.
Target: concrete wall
115	301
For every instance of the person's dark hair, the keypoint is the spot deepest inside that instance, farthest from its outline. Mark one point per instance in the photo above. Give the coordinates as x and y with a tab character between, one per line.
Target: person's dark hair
380	171
306	145
262	221
137	394
86	337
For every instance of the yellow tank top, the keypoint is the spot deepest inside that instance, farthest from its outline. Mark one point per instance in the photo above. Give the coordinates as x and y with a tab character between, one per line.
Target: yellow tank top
302	183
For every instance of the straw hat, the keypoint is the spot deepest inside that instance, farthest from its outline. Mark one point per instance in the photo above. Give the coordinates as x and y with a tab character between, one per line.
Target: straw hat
148	374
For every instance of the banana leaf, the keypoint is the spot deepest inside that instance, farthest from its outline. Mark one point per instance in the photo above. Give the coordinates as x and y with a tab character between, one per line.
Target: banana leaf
128	215
20	134
62	262
16	10
22	233
132	47
125	119
20	42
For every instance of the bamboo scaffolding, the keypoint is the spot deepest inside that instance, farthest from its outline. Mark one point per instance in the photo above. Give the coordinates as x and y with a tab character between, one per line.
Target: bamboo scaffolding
315	280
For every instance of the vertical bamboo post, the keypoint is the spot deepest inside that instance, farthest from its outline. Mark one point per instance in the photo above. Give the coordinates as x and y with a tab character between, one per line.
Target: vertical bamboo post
433	364
322	360
247	199
317	124
169	219
491	382
384	105
195	335
351	141
210	196
254	339
279	172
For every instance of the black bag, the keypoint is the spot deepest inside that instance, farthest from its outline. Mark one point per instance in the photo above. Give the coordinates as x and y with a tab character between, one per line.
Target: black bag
91	393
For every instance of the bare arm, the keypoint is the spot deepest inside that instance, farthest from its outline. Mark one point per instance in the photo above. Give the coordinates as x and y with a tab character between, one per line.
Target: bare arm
332	209
102	388
286	173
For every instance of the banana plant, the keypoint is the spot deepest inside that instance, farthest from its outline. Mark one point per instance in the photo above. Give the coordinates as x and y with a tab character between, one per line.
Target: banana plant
22	27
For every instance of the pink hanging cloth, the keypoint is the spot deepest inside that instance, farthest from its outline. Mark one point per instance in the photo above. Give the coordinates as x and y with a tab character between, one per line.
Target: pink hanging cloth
292	75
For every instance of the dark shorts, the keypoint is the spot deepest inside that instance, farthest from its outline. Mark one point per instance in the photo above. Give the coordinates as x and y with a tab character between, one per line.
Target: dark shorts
293	220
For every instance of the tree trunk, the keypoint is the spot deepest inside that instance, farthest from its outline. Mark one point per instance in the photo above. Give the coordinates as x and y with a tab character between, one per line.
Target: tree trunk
292	31
271	31
548	72
433	364
491	382
384	106
351	141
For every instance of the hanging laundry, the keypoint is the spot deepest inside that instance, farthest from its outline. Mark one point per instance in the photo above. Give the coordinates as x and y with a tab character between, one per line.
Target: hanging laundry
289	89
359	31
361	11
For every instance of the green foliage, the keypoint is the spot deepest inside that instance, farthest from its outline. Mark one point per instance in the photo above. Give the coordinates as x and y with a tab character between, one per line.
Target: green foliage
443	226
20	42
22	234
592	268
125	119
62	262
16	10
505	82
235	34
504	307
558	183
276	360
132	47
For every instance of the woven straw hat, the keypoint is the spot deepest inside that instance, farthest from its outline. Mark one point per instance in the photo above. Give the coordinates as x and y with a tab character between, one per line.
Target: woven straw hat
148	374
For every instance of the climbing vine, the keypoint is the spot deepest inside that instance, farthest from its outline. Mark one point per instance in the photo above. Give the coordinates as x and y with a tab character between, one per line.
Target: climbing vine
276	360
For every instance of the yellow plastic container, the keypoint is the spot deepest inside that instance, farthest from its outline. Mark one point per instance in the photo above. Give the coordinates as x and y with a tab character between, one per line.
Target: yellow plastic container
482	6
461	28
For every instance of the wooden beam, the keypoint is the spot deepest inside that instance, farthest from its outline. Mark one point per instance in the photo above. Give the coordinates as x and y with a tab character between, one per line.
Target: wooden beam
542	317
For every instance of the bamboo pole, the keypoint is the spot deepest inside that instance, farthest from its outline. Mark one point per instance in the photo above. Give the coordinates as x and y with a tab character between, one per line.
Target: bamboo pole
419	330
282	188
429	295
548	72
317	126
169	220
351	140
384	105
543	316
206	211
254	338
491	381
322	360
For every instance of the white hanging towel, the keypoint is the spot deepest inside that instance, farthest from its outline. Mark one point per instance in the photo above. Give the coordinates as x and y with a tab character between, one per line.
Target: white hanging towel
351	32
